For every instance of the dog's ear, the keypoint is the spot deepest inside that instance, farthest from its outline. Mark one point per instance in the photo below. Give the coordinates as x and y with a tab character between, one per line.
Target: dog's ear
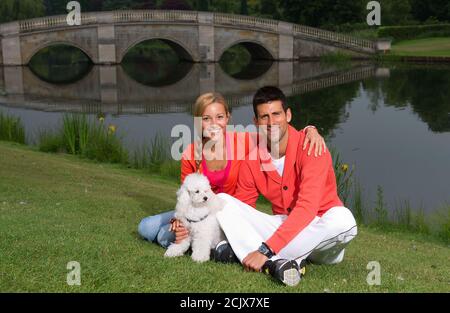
183	199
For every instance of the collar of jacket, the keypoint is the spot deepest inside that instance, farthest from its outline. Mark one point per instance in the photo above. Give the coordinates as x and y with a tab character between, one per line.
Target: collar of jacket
289	162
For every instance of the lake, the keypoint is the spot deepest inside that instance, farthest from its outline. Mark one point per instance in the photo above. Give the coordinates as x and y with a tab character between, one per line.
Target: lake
391	121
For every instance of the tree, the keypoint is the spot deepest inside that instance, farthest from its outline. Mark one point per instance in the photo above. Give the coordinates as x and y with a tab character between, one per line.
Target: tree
30	8
175	5
347	12
244	7
395	12
109	5
203	5
422	10
95	5
269	9
323	12
12	10
145	4
6	10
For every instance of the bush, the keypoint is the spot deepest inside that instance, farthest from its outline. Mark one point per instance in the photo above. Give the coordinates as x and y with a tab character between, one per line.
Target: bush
50	142
156	158
82	136
398	33
11	128
344	176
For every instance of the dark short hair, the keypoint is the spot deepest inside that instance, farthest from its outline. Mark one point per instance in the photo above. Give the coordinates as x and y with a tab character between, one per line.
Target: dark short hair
266	94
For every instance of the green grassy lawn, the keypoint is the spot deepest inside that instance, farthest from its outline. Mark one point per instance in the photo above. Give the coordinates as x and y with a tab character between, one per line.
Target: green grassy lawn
59	208
437	47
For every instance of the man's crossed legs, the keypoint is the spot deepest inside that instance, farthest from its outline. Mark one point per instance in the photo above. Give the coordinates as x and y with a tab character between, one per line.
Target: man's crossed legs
323	241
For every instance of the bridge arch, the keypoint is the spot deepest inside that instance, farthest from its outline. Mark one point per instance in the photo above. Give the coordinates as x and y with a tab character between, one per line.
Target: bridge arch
256	49
180	48
32	53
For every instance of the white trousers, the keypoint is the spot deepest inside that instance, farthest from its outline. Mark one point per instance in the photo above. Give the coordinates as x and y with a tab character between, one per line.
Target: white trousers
323	241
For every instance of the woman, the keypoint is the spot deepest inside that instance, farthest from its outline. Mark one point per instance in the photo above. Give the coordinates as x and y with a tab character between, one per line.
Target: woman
218	156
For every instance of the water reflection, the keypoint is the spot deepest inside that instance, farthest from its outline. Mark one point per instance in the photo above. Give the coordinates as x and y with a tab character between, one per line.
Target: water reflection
242	62
252	70
111	89
424	88
325	107
60	64
157	74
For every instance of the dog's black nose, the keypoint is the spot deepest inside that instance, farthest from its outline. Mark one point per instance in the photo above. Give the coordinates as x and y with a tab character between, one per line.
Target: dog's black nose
205	198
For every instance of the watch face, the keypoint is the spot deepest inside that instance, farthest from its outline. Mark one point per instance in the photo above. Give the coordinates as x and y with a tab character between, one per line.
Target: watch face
263	249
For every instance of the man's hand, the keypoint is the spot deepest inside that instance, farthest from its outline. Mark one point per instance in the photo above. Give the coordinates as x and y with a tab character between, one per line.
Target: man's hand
254	261
315	140
181	232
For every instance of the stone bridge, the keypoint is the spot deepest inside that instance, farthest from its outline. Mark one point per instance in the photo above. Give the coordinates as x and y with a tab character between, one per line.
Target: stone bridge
106	37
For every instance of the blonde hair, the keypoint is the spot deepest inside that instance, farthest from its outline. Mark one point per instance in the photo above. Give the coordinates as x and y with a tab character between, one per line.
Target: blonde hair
199	108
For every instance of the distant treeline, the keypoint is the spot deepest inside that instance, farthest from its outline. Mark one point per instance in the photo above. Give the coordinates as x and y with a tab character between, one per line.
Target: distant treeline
339	15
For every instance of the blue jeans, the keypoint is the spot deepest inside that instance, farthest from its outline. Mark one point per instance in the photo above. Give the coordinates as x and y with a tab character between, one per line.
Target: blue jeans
156	228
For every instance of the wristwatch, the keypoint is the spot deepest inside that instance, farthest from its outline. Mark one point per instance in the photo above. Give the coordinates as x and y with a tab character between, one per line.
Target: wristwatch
264	249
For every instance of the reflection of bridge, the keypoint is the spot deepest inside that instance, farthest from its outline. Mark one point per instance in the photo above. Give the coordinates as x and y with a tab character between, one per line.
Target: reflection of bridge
198	36
108	89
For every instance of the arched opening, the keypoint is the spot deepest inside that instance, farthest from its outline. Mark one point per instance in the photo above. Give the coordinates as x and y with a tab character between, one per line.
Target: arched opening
246	60
60	64
157	62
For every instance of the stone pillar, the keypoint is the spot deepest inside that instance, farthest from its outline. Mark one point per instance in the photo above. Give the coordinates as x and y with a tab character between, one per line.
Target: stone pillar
285	73
207	78
106	37
285	41
108	84
382	72
1	51
383	45
11	50
13	76
206	37
2	81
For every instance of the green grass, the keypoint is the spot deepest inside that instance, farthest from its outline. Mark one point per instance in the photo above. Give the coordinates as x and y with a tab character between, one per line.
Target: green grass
56	208
437	47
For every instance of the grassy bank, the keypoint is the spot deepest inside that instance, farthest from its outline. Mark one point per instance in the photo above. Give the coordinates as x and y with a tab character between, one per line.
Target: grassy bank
57	208
434	47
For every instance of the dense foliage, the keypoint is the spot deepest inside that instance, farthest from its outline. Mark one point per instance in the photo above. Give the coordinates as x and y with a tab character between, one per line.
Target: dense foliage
320	13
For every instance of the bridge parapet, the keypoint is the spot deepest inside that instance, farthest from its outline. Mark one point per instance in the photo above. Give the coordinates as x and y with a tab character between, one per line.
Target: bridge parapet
56	21
155	16
317	33
246	21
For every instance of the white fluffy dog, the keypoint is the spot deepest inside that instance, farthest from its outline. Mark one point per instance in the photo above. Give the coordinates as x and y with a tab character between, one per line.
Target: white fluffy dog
196	207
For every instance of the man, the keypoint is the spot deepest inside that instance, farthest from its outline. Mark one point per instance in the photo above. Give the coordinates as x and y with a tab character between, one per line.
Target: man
309	221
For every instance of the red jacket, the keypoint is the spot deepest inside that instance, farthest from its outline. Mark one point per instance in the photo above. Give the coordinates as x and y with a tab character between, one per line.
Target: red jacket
306	190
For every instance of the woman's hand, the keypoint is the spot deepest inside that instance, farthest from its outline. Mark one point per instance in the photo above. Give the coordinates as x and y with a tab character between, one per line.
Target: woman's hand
181	233
315	140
